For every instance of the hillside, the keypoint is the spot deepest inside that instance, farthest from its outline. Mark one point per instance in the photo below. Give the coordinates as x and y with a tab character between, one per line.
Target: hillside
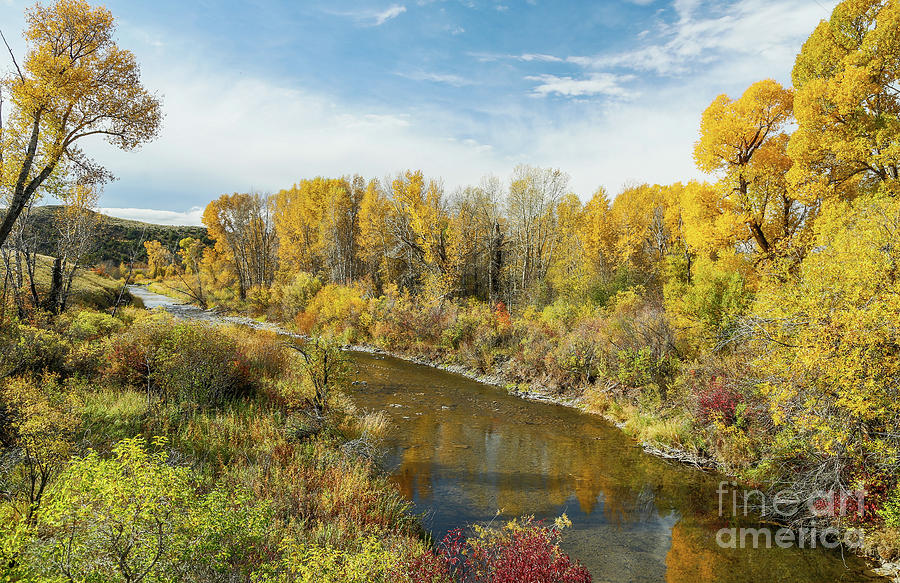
88	288
116	238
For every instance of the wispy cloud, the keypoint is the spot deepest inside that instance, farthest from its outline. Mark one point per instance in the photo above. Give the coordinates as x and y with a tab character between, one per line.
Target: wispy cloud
393	11
372	17
596	84
761	31
528	57
446	78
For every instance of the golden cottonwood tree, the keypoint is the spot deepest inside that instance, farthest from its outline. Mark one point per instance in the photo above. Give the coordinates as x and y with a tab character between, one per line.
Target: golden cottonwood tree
243	228
567	271
420	223
743	140
598	236
847	102
75	82
373	245
829	360
158	258
639	215
340	226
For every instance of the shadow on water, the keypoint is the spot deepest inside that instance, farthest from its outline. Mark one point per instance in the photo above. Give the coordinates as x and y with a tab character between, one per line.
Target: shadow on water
462	451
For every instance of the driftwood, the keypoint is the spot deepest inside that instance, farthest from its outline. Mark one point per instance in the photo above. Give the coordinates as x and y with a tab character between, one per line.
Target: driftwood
680	456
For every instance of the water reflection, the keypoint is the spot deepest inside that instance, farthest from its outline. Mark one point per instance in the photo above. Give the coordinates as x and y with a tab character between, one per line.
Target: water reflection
462	451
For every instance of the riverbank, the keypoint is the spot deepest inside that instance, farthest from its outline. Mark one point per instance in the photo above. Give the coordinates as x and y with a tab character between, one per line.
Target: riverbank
572	398
534	392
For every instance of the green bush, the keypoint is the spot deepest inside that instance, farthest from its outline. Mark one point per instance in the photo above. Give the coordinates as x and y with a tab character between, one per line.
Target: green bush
201	366
136	516
90	325
890	511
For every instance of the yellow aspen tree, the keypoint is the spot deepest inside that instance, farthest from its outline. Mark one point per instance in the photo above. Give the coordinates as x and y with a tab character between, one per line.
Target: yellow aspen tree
373	242
567	270
75	82
158	258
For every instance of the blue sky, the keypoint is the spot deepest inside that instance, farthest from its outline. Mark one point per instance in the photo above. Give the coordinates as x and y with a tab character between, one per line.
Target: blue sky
260	94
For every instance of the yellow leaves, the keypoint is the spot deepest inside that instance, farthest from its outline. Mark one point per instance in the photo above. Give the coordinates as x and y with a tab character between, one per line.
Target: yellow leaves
158	258
830	332
732	130
743	141
846	106
596	234
711	221
78	81
373	561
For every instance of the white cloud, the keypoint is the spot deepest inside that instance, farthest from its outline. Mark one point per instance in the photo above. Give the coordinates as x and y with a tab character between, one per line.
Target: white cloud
393	11
193	216
762	35
596	84
446	78
371	17
528	57
227	133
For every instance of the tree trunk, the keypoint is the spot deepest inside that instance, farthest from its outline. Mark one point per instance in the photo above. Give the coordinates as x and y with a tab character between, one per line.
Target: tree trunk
56	284
760	237
22	193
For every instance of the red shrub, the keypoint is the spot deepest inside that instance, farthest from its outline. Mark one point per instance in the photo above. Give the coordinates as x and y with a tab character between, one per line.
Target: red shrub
528	552
502	317
719	401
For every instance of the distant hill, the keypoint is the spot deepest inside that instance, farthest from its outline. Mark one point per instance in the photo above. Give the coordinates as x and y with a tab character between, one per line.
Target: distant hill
116	238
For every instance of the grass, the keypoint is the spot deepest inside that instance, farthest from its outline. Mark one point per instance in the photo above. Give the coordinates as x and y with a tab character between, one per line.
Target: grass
88	289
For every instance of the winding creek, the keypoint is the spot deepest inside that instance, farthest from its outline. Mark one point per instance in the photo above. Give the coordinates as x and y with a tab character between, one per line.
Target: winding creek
462	451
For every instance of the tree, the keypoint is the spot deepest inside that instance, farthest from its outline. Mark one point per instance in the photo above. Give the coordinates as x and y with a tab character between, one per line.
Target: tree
340	227
598	236
742	140
534	194
847	104
478	222
44	417
75	82
373	245
420	224
298	216
327	371
566	273
76	223
191	253
828	342
158	258
243	228
639	216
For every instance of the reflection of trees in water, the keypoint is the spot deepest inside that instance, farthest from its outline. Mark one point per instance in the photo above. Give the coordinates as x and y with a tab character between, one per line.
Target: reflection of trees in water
694	556
525	468
500	453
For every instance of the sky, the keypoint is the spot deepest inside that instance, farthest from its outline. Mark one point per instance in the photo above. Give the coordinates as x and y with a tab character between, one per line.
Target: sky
258	95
